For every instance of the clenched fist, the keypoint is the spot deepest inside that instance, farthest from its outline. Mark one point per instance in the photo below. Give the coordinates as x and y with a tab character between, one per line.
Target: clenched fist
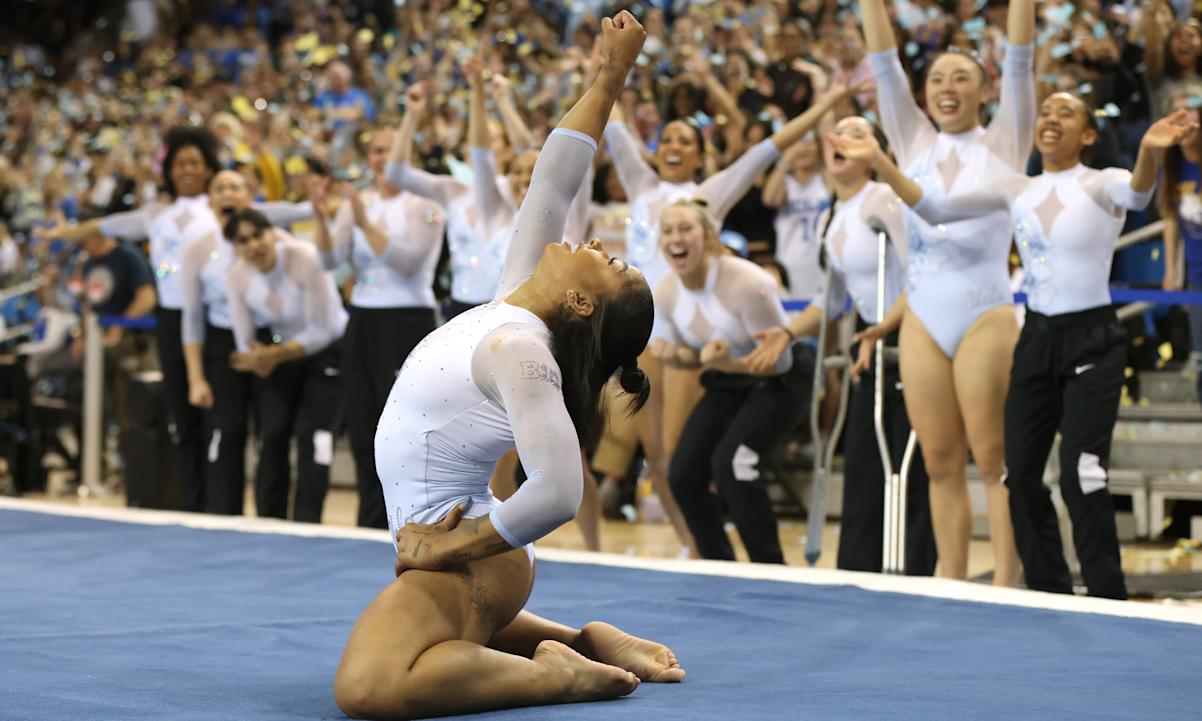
621	42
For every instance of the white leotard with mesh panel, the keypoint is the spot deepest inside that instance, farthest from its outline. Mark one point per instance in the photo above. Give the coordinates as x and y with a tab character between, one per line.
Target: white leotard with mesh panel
738	300
206	264
498	209
297	299
853	251
403	275
487	382
476	258
1066	225
797	233
958	271
171	229
649	195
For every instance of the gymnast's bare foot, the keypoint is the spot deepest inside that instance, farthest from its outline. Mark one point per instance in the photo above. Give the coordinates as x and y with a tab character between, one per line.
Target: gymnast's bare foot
587	680
648	660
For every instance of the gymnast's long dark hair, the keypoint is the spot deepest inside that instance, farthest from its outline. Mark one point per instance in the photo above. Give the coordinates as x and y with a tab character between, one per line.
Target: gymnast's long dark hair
591	350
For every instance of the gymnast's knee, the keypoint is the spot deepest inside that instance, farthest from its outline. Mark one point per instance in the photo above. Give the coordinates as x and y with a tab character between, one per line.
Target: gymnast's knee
366	695
355	697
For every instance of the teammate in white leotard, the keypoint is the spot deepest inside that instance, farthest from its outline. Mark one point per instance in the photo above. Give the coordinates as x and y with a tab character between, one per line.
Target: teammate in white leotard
851	247
280	281
1069	361
449	636
959	327
680	157
710	308
188	166
208	340
392	240
476	258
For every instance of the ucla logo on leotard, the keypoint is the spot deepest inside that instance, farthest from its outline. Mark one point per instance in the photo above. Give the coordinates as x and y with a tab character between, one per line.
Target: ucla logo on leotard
532	370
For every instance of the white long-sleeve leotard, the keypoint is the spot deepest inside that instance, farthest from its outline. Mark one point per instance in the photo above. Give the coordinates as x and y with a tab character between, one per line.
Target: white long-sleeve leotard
1066	225
498	209
170	228
297	299
475	261
649	195
487	382
403	275
205	266
957	271
739	300
853	251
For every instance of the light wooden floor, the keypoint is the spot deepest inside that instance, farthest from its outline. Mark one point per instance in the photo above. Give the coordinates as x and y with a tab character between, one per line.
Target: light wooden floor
656	540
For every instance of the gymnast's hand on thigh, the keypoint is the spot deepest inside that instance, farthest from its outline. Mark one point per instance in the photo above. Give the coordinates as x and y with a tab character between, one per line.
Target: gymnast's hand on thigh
420	545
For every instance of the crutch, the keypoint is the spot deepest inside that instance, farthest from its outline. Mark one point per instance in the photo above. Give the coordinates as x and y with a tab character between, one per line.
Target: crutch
893	553
824	453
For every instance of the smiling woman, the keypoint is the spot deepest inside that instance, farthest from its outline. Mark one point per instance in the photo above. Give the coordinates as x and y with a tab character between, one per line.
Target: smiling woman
958	320
679	161
850	245
1069	361
189	164
208	340
708	313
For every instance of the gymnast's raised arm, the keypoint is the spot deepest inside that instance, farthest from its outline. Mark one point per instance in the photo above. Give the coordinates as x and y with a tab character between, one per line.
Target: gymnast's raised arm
908	129
566	156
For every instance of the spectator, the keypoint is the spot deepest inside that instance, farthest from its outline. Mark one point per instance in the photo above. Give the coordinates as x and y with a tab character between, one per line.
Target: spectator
1181	206
117	282
341	103
1173	59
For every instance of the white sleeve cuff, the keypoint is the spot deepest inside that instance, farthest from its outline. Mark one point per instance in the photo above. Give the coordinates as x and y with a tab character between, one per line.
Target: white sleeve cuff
582	137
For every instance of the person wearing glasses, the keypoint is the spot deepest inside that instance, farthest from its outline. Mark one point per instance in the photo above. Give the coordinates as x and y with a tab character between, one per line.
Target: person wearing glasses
280	281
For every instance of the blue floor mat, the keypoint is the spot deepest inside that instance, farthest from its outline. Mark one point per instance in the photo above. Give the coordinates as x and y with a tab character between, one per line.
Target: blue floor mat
107	621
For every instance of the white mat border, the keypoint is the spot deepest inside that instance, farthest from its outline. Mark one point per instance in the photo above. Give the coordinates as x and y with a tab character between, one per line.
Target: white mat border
928	587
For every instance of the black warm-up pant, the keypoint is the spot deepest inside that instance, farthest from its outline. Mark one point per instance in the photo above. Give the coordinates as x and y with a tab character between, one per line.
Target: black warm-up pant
375	346
1067	377
861	534
301	398
456	307
733	430
225	425
185	421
